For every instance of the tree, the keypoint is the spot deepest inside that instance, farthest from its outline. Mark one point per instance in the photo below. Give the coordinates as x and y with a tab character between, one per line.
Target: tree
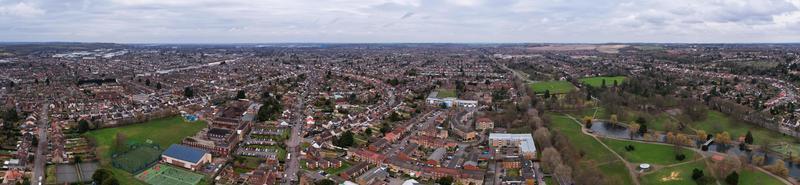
83	126
188	92
368	131
697	174
110	181
325	182
778	168
732	179
445	180
241	94
587	121
542	136
563	173
727	165
723	138
158	85
11	115
758	160
633	129
701	135
748	138
101	175
345	140
550	159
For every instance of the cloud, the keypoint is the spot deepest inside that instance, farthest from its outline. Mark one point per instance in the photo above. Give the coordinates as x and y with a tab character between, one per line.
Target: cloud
20	9
400	20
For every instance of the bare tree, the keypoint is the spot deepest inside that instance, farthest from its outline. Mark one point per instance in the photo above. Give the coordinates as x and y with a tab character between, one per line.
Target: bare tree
543	137
550	159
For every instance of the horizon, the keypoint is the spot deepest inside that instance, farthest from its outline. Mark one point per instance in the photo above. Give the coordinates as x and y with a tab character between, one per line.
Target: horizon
401	21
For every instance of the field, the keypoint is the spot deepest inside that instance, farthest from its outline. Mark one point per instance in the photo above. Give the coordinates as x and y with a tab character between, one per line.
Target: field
137	159
163	132
168	175
598	81
555	87
647	153
609	164
677	175
716	122
747	176
446	93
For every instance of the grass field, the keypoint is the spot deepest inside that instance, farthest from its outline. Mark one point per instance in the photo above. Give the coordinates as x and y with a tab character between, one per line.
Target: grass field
757	177
555	87
616	170
677	175
163	132
716	122
336	171
598	81
446	93
647	153
168	175
593	149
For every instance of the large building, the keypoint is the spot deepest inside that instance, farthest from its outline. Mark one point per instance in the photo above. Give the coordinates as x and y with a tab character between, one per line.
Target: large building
524	142
449	101
185	156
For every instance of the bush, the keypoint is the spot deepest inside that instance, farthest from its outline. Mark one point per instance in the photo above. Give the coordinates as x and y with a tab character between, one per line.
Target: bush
732	179
697	174
630	148
680	157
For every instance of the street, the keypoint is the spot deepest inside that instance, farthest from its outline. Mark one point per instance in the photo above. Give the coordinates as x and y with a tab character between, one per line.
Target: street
40	158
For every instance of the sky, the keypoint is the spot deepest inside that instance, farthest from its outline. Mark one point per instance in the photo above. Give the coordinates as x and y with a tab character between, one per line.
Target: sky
372	21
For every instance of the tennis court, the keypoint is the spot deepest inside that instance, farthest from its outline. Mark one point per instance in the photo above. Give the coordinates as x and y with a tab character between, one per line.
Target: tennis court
162	174
138	159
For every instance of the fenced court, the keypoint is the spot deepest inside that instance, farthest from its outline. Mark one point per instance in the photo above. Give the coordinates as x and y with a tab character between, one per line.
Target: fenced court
138	158
162	174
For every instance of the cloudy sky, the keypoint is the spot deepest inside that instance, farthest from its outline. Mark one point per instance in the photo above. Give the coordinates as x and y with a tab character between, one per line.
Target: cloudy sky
268	21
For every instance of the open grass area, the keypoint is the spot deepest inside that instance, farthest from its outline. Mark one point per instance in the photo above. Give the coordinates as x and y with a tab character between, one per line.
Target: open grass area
593	149
555	87
550	180
716	122
616	170
336	171
164	132
648	153
598	81
747	176
677	175
446	93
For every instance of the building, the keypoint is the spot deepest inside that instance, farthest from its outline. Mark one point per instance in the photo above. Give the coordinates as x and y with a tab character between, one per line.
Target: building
450	102
436	157
484	123
524	142
185	156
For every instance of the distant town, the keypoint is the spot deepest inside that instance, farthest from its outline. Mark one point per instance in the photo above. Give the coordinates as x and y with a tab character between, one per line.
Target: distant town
399	114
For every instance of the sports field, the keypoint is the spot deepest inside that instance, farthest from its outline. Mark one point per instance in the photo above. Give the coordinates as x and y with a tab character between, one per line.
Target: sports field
555	87
598	81
167	175
136	159
446	93
163	132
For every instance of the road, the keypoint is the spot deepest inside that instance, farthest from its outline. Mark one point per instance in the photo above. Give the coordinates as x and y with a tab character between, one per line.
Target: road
293	165
40	158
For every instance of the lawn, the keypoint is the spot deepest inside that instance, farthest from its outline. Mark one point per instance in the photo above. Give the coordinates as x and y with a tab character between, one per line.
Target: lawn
677	175
716	122
336	171
593	149
512	172
555	87
598	81
446	93
616	170
647	153
757	177
164	132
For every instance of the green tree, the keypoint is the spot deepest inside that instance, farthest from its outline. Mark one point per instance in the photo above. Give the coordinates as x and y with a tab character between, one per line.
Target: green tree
325	182
83	126
732	179
748	138
11	115
445	180
368	131
188	92
100	175
241	94
345	140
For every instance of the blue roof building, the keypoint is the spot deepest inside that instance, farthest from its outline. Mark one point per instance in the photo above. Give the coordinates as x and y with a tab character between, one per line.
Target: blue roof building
185	156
